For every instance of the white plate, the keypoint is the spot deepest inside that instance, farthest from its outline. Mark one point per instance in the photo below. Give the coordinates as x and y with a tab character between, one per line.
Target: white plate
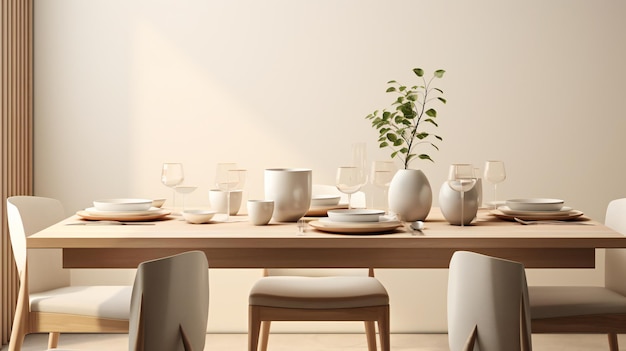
355	215
384	226
535	204
325	200
96	212
143	216
570	215
564	211
123	204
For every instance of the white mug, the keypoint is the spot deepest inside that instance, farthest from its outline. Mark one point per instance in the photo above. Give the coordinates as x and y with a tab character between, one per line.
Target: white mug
217	201
260	211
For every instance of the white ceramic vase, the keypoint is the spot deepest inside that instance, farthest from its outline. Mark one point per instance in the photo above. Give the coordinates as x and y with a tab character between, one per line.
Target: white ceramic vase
450	204
290	189
410	195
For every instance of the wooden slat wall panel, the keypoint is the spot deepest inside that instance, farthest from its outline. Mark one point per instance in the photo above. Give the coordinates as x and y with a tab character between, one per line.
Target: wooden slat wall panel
16	175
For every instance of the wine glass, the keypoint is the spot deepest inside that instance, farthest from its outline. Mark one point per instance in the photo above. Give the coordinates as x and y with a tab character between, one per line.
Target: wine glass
171	176
348	181
228	178
461	179
184	190
382	173
359	160
495	173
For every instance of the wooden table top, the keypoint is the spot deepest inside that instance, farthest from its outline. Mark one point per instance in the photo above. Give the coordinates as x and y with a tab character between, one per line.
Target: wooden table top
439	239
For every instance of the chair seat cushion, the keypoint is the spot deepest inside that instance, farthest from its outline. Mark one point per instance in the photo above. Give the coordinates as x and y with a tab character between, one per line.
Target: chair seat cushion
318	292
564	301
99	301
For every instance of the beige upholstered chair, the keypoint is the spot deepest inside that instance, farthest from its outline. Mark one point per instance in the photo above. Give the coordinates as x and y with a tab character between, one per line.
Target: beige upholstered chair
170	304
46	302
487	304
587	309
312	295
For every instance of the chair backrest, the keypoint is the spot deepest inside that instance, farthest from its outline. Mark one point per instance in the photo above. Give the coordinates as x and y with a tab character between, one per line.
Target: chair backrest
487	304
615	259
169	304
26	216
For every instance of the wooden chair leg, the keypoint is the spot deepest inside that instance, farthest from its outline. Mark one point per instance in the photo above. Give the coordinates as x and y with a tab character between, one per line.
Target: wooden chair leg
254	327
370	334
265	335
53	340
384	330
21	319
613	344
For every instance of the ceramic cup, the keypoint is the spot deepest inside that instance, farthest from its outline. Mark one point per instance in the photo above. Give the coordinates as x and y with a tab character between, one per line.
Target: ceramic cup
260	211
217	201
290	189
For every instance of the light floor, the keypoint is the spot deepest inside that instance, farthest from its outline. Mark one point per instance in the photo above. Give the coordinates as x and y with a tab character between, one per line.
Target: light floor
319	342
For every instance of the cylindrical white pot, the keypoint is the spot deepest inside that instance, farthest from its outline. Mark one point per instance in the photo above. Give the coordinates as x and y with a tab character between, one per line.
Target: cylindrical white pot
290	189
410	195
450	204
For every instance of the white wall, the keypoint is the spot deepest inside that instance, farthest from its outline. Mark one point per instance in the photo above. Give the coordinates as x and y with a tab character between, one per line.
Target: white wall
124	85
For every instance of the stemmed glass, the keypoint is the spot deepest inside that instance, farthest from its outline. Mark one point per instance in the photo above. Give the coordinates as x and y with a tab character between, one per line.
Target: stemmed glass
184	190
228	178
495	173
348	181
171	176
461	179
359	160
382	173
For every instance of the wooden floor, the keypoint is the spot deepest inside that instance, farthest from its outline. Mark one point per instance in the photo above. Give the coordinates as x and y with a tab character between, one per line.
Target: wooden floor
319	342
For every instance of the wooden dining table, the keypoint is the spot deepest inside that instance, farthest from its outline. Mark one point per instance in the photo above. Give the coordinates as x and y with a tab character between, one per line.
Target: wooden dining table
239	244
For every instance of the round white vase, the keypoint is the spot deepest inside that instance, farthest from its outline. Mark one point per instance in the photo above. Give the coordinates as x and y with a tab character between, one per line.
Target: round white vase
290	189
410	195
450	204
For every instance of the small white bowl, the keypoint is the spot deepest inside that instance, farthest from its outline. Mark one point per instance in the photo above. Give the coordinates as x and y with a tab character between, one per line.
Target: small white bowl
325	200
535	204
158	203
123	204
355	215
198	216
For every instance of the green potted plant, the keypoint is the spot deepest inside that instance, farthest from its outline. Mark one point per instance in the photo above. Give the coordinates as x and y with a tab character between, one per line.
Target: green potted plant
401	129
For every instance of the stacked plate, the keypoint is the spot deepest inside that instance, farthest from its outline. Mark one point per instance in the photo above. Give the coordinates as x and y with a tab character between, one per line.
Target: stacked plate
355	221
123	210
320	204
536	209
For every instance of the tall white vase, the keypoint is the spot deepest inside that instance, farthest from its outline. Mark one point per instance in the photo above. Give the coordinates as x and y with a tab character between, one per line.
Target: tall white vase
290	189
410	195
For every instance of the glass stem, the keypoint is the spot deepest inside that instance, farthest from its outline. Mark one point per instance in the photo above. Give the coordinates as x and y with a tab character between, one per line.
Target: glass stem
349	202
495	196
173	200
462	208
227	205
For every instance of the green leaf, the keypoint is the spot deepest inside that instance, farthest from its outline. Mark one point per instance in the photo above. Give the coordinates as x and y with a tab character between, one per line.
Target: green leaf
430	120
439	73
425	157
439	90
390	89
391	82
418	72
392	137
412	97
421	135
402	88
398	142
442	100
393	154
383	144
431	112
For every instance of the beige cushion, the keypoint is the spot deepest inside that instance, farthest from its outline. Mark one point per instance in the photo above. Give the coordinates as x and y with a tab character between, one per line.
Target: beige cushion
563	301
100	301
318	292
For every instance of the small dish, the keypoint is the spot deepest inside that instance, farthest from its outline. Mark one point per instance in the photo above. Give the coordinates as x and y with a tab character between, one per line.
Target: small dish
535	204
198	216
355	215
123	204
158	203
325	200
